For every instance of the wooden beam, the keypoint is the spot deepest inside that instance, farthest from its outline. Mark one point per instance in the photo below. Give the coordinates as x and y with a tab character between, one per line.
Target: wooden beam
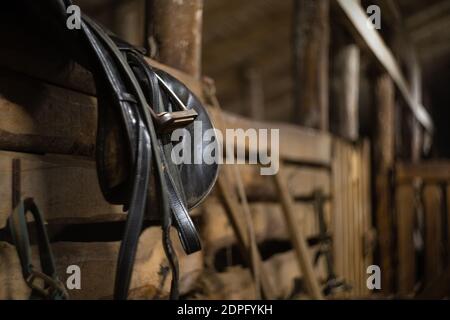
433	198
358	26
430	13
405	213
311	47
302	182
417	142
177	31
47	120
297	237
383	153
345	80
233	211
313	147
345	88
429	30
128	21
430	171
268	224
97	261
37	56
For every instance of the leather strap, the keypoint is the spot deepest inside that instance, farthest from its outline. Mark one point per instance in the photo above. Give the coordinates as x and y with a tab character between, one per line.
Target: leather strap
52	288
169	195
187	232
121	96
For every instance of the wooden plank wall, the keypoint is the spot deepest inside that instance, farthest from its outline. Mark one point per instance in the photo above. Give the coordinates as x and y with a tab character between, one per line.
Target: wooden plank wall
422	195
60	116
66	189
346	180
352	226
67	193
406	262
308	153
60	107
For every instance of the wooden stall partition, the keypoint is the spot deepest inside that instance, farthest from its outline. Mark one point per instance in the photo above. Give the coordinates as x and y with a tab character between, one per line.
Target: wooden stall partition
433	202
406	262
422	226
351	218
308	154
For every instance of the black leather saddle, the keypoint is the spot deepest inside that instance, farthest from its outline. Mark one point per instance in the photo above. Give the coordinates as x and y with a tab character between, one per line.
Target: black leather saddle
138	108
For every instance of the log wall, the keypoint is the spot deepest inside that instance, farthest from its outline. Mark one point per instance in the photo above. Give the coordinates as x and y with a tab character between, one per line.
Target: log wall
57	115
65	188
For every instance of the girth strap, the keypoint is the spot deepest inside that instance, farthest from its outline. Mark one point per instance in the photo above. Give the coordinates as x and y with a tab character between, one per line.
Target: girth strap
52	287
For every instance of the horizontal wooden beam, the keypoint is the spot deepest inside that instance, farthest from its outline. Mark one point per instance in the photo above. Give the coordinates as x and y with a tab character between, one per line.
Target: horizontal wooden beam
97	261
430	171
358	24
430	14
303	181
268	221
52	119
39	57
296	144
58	113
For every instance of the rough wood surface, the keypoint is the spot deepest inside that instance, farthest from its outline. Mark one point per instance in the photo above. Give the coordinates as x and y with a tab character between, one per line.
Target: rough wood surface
302	182
311	44
238	224
97	262
65	189
61	188
433	198
351	219
236	282
51	119
297	237
358	26
268	222
345	92
46	118
32	53
177	31
431	171
406	271
296	144
383	153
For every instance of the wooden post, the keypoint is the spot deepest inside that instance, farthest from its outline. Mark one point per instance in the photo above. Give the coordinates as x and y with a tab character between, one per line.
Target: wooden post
345	91
383	160
128	21
311	43
416	130
176	29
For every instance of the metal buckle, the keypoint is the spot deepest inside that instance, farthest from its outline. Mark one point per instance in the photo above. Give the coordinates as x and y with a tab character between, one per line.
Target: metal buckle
169	121
51	286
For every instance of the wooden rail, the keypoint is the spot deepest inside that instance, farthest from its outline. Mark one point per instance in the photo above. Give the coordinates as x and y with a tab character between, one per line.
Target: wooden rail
422	212
358	26
430	171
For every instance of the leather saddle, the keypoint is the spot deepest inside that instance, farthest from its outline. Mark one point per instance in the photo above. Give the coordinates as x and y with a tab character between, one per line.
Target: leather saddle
138	109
